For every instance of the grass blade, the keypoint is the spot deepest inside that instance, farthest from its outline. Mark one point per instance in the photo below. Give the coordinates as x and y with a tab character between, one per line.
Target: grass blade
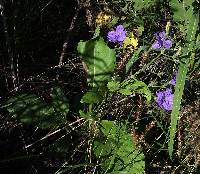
180	81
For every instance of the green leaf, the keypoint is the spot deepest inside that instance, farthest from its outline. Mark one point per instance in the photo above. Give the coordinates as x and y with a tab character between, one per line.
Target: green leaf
113	85
132	86
85	115
139	5
30	109
91	97
116	150
113	22
60	102
99	60
181	9
96	32
140	30
129	87
180	81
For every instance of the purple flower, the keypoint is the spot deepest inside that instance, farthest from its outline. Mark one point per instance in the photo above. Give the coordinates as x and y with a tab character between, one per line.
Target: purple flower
165	99
167	43
161	35
118	35
161	41
173	80
111	36
156	45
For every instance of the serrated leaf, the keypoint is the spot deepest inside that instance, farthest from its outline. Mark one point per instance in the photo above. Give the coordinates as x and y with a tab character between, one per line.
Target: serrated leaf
117	151
129	87
133	86
96	32
99	59
113	86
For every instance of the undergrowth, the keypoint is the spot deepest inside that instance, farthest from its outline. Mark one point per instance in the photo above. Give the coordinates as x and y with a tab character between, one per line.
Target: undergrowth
126	100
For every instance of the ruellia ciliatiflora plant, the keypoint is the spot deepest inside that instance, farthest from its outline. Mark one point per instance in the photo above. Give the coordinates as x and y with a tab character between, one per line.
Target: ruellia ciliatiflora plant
139	62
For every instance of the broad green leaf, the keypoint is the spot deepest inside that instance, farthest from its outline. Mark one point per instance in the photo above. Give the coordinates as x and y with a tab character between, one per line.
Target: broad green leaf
30	109
91	97
181	9
116	150
99	60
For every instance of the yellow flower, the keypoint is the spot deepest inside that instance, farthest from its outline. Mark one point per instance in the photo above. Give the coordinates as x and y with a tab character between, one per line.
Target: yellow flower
130	41
103	18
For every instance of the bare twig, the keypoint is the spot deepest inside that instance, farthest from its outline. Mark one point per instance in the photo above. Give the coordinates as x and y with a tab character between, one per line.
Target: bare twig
69	33
46	5
31	78
55	132
8	44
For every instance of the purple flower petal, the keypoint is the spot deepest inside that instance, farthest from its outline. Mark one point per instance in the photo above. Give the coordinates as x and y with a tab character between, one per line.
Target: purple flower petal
159	99
156	45
111	36
161	41
168	92
173	80
119	28
167	104
167	44
118	35
165	99
162	35
156	35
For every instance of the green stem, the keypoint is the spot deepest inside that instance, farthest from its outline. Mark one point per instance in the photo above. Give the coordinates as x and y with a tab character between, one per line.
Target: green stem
147	65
